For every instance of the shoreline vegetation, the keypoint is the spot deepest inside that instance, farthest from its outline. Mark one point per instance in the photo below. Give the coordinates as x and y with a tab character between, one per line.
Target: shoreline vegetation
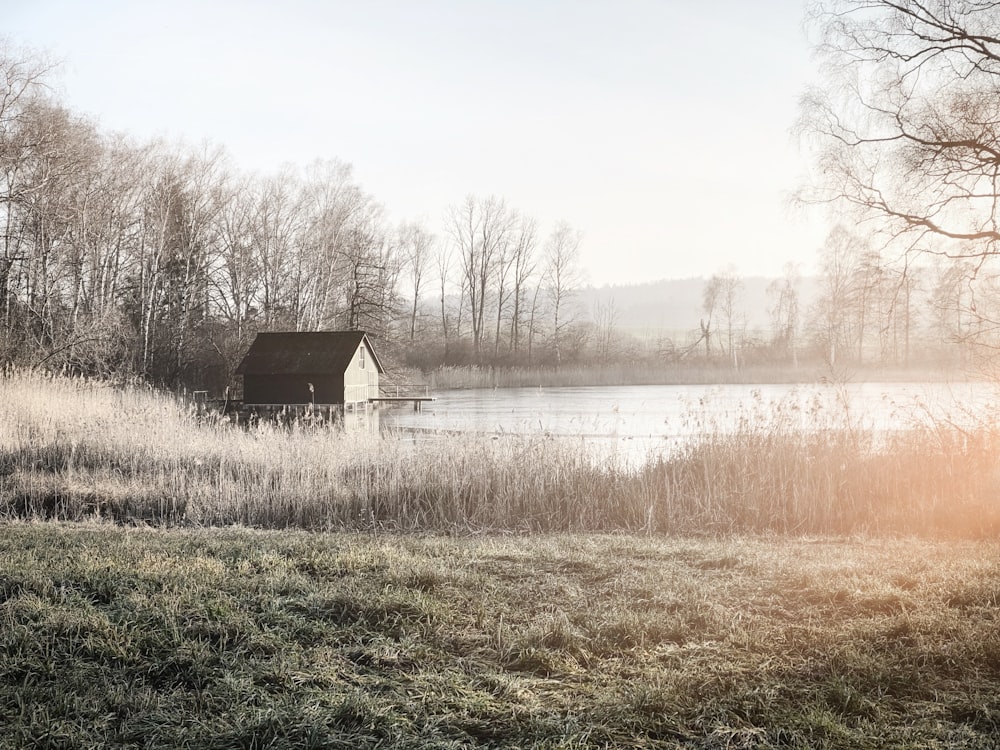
646	373
74	449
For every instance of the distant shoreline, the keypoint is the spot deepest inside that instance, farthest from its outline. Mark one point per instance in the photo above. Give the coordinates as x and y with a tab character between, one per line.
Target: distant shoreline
472	377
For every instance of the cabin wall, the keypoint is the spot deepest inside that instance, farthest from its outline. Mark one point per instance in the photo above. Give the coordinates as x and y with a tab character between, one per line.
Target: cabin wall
361	377
292	389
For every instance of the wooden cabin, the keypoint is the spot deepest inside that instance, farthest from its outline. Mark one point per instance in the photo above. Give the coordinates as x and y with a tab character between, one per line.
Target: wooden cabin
321	368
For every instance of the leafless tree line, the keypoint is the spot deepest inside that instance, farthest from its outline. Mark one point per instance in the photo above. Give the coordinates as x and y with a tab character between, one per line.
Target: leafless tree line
861	308
162	261
904	126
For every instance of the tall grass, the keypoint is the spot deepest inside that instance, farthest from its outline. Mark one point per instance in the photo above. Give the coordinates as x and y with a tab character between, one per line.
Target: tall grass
75	449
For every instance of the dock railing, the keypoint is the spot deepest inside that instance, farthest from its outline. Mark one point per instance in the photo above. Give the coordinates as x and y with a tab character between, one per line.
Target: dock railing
397	392
405	390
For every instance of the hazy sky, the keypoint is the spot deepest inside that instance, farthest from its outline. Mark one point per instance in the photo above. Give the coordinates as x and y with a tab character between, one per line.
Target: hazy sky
659	128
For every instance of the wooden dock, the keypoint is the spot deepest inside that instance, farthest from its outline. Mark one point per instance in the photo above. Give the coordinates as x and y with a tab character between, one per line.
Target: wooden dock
403	393
417	400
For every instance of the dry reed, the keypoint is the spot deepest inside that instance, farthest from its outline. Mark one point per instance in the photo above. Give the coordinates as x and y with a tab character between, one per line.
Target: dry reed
77	449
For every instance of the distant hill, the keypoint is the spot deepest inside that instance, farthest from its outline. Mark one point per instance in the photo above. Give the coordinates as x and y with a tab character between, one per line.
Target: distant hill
673	307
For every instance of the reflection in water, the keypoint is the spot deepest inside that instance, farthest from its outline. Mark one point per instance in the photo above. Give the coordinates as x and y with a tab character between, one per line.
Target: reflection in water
363	420
654	417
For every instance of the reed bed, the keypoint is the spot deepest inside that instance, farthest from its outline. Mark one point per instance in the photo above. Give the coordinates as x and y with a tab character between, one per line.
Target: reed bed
72	449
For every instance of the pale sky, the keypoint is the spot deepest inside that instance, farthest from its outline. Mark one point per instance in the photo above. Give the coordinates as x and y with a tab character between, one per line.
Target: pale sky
659	128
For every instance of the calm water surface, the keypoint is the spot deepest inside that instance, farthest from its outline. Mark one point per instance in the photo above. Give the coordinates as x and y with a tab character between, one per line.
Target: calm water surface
652	414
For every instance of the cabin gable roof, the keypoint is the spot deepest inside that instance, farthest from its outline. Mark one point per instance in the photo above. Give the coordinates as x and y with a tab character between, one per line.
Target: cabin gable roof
309	353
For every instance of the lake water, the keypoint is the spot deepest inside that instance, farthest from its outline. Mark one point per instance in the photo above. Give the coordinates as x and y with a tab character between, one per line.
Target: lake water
663	415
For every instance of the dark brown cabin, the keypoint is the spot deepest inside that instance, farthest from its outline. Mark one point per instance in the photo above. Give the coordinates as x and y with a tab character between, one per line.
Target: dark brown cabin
323	367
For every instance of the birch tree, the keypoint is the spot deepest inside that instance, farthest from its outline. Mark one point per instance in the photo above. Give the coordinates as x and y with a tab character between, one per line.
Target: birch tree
563	278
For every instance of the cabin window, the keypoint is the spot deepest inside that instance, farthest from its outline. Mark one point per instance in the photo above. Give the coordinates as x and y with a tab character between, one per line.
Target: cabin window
361	357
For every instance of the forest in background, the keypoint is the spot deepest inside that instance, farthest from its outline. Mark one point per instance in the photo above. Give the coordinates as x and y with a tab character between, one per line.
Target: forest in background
161	261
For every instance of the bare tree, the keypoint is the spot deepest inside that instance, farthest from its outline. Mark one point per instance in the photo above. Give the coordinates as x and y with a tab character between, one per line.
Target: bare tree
22	77
709	304
866	295
950	299
502	271
482	232
332	205
277	226
605	324
534	315
372	266
831	315
416	244
730	300
563	278
55	178
59	199
784	311
236	280
907	121
905	288
182	237
443	261
112	224
523	267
